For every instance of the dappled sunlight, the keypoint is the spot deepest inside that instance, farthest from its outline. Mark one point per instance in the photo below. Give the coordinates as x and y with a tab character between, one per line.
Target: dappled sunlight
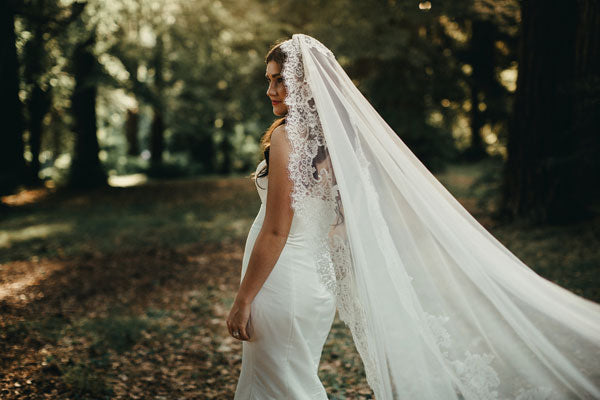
24	197
127	180
42	231
18	278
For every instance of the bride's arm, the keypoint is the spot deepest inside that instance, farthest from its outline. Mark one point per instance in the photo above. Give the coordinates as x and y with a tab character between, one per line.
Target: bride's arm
278	219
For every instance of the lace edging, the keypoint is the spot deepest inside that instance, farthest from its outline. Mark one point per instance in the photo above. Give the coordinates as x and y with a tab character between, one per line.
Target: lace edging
314	197
479	380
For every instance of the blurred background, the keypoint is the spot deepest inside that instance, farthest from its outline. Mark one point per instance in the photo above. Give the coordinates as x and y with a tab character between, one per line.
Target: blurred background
129	129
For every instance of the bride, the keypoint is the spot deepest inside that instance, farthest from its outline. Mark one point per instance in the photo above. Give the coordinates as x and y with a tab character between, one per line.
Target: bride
350	220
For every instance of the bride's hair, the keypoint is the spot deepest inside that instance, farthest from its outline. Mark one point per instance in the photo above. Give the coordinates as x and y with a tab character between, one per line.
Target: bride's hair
275	54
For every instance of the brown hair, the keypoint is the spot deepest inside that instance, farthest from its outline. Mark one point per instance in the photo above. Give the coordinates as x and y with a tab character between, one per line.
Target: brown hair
276	54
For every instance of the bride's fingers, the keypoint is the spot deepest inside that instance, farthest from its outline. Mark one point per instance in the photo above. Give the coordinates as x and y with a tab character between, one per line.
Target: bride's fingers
249	328
243	334
231	328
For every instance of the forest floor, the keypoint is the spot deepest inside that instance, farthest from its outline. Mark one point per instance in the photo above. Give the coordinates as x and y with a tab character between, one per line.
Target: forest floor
122	293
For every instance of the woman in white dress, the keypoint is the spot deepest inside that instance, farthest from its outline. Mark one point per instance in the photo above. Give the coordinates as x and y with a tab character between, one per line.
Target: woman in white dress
289	312
438	308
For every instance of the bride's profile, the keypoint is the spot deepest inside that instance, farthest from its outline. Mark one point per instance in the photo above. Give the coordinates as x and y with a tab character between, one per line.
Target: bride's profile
350	220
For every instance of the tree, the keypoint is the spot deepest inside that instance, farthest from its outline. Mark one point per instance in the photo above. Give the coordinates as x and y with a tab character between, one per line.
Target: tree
548	173
86	170
12	162
157	130
44	20
586	107
492	30
131	131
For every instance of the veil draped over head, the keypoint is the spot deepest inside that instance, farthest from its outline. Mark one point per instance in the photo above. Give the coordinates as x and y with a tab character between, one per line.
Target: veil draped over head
438	308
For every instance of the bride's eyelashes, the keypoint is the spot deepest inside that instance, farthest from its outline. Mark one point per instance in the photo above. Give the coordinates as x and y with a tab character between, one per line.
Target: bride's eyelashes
279	80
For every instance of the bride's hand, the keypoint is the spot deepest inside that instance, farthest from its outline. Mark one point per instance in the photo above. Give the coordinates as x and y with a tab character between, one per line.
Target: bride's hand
237	321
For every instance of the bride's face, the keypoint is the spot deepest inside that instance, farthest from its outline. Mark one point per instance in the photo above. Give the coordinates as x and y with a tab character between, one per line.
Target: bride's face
276	90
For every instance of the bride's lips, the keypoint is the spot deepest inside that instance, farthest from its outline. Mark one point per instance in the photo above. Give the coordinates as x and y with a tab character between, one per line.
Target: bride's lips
275	102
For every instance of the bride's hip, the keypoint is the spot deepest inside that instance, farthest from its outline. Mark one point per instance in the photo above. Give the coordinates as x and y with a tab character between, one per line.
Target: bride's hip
295	271
299	292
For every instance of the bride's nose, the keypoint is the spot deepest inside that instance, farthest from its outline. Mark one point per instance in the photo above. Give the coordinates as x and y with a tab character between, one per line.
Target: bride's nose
271	90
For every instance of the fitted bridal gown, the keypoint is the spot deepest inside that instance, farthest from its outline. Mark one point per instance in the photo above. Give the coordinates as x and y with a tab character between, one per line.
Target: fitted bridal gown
290	319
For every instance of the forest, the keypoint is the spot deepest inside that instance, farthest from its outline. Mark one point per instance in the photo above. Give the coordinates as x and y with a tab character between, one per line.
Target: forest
130	128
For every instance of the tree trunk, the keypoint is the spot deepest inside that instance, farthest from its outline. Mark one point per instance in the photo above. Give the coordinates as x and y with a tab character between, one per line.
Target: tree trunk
131	132
86	170
39	105
39	101
543	160
157	142
12	162
133	116
587	94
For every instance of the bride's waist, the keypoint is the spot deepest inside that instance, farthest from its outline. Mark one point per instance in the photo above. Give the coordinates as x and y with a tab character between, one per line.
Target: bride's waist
297	236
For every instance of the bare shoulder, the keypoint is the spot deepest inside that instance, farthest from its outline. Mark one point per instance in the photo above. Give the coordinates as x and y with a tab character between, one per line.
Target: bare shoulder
280	149
279	132
279	137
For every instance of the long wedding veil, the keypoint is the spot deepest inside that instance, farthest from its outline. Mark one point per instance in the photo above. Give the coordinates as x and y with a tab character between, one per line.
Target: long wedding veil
438	308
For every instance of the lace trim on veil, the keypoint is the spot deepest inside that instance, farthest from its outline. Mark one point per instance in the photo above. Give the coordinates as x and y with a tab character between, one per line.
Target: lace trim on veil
316	200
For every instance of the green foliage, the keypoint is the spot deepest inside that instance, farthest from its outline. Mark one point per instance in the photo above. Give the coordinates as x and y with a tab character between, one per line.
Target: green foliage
200	64
85	382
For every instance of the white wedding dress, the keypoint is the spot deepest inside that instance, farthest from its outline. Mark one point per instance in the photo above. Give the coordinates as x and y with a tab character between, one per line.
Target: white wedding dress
290	319
438	308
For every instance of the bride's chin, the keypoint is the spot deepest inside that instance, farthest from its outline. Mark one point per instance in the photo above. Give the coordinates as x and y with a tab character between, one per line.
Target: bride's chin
278	112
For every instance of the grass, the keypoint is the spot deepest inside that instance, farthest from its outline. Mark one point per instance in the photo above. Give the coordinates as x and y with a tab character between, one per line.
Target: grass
123	293
75	224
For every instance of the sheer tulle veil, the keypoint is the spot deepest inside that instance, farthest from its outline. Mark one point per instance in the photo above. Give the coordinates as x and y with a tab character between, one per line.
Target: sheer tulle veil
438	308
